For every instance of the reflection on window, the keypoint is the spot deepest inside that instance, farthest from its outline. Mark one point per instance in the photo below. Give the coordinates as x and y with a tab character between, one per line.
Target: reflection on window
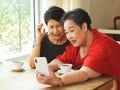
15	27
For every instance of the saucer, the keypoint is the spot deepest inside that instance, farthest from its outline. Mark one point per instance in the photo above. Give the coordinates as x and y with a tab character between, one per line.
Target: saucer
17	70
60	72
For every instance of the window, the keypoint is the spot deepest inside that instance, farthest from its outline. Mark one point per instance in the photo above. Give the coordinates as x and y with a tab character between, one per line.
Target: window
16	27
18	21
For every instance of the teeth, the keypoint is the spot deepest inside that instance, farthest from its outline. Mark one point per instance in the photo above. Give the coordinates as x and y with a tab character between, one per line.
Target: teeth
57	34
73	41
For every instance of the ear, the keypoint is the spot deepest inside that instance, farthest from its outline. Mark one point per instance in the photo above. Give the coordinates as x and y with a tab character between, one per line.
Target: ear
84	26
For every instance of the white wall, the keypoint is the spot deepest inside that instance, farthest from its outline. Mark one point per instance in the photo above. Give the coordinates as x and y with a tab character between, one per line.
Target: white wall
101	12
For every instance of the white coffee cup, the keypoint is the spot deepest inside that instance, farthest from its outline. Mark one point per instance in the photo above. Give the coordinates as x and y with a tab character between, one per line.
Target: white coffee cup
64	68
16	64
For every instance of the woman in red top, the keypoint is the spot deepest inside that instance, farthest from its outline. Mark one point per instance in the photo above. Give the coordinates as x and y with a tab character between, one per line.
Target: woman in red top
90	51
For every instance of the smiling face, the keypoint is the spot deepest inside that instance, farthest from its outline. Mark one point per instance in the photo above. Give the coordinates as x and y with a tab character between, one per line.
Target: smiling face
55	29
76	35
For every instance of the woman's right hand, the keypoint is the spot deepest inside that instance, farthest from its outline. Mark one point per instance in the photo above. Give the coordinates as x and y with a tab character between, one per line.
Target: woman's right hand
40	32
52	79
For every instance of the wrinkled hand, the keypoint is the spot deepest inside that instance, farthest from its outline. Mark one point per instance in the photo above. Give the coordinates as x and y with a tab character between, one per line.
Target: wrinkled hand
39	31
50	80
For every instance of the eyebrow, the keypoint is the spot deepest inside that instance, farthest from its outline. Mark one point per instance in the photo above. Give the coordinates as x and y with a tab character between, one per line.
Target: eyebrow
68	28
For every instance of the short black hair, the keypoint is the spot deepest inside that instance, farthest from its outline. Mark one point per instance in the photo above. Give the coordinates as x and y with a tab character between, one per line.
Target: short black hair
53	12
79	16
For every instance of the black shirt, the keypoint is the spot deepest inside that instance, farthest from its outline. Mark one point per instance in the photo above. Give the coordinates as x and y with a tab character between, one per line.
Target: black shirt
50	50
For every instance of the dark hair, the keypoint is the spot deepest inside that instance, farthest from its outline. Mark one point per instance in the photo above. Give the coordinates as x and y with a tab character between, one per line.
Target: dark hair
79	16
53	12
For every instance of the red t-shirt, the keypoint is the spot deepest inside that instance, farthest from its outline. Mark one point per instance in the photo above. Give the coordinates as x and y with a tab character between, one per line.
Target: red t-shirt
103	56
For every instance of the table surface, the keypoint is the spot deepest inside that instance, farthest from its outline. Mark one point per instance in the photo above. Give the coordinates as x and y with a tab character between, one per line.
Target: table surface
26	80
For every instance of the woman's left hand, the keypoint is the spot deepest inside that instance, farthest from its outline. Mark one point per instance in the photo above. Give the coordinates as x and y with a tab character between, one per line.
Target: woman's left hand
50	80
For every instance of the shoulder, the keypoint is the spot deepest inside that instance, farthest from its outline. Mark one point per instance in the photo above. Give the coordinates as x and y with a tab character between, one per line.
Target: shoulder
102	39
45	38
104	44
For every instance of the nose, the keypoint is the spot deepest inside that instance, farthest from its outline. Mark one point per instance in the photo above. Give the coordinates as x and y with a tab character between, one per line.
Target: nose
55	29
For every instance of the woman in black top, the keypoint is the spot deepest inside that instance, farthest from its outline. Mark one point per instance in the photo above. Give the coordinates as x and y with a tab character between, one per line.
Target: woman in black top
52	43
